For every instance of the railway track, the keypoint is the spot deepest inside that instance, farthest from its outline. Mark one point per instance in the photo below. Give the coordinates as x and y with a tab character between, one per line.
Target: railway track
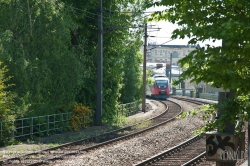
84	146
54	154
200	160
179	154
195	101
189	153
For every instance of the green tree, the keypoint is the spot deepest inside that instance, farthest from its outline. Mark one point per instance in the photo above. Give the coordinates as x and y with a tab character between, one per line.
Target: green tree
224	66
7	105
132	78
36	49
116	40
50	49
118	17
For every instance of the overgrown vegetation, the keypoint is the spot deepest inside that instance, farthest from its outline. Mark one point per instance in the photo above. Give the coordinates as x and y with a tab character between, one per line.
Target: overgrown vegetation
50	49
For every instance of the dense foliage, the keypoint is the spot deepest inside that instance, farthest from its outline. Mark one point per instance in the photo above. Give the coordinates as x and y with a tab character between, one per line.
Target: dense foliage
225	66
50	49
7	115
121	43
132	88
36	49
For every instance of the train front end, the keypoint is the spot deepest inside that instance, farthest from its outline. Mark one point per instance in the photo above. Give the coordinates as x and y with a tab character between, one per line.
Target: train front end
160	89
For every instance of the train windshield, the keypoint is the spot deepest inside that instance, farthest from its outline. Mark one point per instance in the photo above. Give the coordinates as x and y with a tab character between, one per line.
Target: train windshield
162	82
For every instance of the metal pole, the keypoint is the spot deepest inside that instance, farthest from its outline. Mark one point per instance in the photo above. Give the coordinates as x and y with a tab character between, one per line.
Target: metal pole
248	143
179	76
99	67
170	74
144	72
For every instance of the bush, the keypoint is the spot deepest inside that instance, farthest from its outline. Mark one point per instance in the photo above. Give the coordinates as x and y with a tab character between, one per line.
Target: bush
81	117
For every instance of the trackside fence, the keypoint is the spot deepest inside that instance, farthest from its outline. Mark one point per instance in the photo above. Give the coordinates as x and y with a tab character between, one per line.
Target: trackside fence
195	94
209	96
183	92
128	109
40	126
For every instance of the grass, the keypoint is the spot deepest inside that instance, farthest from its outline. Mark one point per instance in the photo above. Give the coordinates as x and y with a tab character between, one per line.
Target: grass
51	145
143	125
134	120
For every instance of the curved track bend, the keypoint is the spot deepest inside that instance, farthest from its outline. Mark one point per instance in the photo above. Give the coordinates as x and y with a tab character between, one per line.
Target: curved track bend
84	146
189	153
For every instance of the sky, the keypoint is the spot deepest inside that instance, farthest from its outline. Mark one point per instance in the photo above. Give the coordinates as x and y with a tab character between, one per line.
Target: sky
163	35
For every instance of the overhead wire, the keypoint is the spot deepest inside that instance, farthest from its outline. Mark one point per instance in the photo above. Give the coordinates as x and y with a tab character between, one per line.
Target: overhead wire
160	44
108	18
156	36
128	24
133	20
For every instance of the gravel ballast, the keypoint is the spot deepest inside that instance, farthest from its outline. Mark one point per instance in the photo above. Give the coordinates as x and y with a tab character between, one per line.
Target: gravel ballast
140	148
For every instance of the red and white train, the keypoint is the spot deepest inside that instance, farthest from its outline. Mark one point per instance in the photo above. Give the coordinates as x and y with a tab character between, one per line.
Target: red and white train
160	89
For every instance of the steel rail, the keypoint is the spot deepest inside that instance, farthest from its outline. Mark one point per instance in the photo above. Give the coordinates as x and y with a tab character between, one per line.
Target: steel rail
195	160
168	152
195	101
27	156
172	150
84	150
